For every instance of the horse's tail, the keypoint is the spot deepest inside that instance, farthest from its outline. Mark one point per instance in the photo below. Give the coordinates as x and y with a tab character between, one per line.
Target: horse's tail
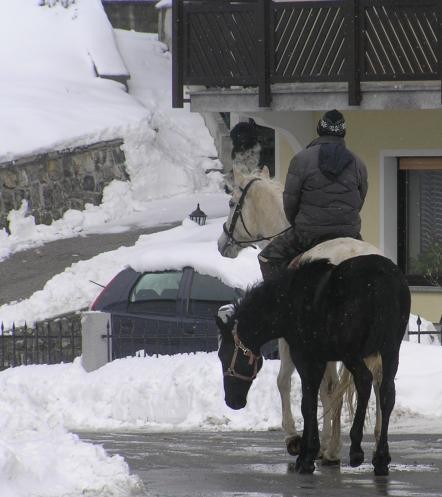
346	390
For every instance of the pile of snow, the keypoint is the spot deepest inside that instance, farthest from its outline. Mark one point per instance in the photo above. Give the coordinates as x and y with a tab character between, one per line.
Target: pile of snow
183	392
52	100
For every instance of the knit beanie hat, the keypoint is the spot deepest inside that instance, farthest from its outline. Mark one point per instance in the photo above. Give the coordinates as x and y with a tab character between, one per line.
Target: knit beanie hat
332	123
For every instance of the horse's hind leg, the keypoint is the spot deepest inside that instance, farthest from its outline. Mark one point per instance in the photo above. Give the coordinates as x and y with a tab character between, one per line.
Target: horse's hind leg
381	457
363	381
284	382
331	426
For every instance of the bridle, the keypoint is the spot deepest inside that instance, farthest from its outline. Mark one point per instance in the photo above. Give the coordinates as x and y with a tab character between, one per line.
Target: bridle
237	214
253	359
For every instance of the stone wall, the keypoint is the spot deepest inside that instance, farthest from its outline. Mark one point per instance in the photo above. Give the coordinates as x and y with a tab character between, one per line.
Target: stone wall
57	181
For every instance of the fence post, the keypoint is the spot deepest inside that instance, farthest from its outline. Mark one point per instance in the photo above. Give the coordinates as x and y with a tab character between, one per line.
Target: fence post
177	53
2	329
440	329
36	344
13	345
354	43
418	322
263	24
71	326
25	343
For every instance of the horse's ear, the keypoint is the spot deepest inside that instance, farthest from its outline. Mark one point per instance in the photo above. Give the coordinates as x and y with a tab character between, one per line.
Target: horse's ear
238	176
265	173
225	328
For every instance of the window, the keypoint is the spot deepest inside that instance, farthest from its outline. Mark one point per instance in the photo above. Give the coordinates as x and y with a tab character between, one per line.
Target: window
420	219
156	292
208	294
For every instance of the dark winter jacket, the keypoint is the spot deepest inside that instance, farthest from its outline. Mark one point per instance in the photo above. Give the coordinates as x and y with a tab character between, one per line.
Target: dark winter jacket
325	189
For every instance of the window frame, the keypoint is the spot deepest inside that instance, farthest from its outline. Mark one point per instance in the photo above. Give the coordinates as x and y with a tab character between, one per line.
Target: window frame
403	229
141	307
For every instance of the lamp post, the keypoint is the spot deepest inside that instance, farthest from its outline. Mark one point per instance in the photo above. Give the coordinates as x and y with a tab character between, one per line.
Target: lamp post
198	216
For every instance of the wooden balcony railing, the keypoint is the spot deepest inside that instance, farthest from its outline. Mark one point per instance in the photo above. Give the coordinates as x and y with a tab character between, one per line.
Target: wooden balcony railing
222	43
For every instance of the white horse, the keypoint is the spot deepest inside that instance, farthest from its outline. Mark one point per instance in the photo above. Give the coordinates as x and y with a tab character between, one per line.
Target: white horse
256	216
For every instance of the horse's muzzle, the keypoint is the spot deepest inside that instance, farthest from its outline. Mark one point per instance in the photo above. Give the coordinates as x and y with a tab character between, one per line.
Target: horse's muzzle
236	403
226	248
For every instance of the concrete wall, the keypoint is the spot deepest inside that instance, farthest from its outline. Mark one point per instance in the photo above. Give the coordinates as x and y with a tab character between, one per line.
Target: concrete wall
96	351
57	181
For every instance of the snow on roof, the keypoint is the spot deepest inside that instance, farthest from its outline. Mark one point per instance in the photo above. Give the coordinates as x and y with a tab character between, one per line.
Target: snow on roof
49	91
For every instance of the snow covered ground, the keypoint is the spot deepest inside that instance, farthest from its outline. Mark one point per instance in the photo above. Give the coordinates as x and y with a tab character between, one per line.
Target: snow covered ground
50	98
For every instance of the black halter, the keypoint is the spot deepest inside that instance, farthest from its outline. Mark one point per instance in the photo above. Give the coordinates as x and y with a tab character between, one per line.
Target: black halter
237	214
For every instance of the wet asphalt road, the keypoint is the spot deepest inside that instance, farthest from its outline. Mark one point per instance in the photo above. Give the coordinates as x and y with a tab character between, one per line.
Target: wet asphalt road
255	464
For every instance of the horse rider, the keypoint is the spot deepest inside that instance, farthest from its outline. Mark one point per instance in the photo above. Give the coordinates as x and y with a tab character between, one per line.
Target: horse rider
324	192
246	151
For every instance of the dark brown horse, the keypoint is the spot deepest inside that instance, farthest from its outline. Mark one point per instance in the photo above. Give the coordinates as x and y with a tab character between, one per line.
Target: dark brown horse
349	313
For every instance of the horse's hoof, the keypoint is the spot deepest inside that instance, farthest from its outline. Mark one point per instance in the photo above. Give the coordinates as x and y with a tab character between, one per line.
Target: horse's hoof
293	445
380	463
356	459
304	468
381	470
330	462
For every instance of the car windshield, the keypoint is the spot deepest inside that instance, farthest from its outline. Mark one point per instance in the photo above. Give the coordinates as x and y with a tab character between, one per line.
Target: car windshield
156	286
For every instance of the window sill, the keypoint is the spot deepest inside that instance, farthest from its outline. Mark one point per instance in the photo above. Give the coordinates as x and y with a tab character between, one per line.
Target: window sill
426	289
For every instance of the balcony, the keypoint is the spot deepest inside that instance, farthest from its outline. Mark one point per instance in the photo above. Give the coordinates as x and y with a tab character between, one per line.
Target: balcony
369	53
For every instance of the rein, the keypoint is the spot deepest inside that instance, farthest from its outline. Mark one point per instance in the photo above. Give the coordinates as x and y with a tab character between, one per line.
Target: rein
237	214
253	360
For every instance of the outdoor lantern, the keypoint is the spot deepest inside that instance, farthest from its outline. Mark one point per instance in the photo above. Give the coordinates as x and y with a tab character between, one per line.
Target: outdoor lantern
198	216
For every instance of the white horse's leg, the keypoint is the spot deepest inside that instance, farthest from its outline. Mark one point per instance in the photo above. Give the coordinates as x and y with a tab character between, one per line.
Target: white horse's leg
284	382
331	426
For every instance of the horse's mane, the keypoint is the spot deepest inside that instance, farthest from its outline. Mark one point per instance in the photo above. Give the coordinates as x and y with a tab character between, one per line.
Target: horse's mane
272	183
257	308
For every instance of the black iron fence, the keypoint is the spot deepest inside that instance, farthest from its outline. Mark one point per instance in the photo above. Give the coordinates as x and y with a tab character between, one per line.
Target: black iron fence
47	342
153	337
223	43
420	332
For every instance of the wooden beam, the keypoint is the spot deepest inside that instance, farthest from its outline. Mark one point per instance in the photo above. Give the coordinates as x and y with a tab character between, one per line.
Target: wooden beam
263	24
353	34
177	53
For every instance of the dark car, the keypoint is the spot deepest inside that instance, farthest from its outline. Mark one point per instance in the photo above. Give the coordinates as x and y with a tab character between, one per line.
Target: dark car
164	312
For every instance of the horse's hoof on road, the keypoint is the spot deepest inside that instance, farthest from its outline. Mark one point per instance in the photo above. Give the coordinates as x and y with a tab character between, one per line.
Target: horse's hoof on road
293	445
381	470
304	468
356	459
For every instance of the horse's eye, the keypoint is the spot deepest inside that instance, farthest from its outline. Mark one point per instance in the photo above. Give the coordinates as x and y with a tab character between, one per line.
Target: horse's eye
231	203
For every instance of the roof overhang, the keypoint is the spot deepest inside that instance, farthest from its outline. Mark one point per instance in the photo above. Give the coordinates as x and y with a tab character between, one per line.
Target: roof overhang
319	96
